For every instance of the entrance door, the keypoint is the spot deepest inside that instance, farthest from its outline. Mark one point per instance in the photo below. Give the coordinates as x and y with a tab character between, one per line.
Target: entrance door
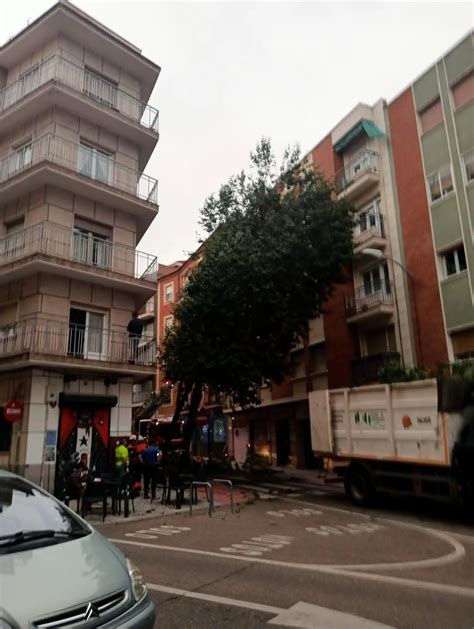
282	433
83	437
241	440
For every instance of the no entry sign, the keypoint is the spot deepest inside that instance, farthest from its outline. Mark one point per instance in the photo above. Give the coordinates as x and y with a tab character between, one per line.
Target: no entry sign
13	411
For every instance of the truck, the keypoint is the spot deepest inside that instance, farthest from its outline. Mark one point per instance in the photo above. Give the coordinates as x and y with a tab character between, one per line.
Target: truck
411	438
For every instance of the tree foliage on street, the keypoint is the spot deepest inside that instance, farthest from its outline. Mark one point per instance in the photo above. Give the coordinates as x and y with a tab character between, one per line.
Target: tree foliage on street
277	240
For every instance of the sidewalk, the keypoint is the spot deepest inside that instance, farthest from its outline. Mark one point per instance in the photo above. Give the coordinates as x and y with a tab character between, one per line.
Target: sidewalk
145	509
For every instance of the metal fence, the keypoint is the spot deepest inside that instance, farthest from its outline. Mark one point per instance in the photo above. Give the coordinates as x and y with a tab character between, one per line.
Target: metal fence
367	369
66	339
105	92
364	162
70	244
365	298
83	160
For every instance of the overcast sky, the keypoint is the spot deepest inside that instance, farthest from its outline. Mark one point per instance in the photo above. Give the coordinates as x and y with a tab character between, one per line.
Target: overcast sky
233	72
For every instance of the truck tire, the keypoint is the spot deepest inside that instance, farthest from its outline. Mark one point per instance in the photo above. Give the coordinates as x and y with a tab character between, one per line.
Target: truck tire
359	484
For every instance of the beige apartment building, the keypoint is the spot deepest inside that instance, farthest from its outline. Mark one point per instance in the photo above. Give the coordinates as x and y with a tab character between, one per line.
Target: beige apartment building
76	133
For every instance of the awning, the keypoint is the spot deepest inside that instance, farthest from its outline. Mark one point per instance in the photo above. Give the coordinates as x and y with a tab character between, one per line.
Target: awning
364	126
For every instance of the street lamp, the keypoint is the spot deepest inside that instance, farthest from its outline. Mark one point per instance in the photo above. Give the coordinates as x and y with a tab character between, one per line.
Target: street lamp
379	255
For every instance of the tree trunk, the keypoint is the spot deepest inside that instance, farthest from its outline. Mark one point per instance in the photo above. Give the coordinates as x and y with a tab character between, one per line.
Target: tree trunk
196	396
181	397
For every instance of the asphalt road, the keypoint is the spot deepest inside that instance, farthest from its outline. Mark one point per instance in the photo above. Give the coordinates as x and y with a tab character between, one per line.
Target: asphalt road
312	561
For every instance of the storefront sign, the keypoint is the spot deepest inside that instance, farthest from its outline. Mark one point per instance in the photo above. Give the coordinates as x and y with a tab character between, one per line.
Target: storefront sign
13	411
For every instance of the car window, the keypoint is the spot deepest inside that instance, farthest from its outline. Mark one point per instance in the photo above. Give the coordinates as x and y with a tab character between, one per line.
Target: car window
26	507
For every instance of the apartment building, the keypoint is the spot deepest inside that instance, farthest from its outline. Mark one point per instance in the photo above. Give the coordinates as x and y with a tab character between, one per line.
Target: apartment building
408	168
76	133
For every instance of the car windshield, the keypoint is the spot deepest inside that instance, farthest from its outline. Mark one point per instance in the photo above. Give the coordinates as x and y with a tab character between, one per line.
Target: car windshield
24	508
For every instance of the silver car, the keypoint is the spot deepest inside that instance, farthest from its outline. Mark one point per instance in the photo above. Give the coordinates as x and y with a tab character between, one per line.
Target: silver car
57	571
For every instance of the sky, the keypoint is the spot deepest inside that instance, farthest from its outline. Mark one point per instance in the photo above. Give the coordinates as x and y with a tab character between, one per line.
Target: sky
233	72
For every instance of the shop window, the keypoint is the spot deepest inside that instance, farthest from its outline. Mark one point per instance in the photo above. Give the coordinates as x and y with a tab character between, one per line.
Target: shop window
5	433
431	116
454	261
463	90
440	183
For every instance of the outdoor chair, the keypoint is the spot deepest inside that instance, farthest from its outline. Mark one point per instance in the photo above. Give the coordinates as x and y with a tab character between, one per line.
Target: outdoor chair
159	480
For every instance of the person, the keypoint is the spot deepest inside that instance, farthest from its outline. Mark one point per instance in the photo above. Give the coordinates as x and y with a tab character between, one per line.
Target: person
134	329
77	483
121	459
150	457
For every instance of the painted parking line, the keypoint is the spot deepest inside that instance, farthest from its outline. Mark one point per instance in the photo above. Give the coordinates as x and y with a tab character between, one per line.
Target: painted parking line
154	532
304	615
256	546
281	513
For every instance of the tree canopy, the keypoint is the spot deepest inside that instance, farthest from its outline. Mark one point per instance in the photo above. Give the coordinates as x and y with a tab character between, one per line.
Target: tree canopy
277	242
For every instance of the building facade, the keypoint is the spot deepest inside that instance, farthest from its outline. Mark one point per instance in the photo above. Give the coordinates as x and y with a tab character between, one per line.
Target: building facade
76	133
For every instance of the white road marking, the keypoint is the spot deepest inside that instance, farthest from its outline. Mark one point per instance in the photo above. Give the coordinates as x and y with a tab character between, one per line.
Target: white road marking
153	532
340	529
304	615
259	545
296	512
342	571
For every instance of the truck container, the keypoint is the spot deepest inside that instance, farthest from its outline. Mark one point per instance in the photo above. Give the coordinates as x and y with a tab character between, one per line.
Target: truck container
411	438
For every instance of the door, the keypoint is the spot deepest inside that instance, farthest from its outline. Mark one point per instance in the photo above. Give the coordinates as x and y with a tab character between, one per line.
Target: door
241	440
92	248
83	437
282	433
94	163
87	334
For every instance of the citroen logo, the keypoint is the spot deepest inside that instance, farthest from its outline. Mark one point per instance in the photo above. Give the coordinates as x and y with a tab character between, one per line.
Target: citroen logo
91	612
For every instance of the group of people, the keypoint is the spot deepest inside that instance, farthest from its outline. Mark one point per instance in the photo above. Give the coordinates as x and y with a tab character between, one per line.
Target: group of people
139	457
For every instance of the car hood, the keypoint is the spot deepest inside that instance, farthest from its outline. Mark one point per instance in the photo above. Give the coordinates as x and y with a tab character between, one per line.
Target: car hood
43	581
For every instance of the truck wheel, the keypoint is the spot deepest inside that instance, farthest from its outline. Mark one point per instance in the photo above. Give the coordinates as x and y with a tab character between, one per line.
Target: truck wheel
359	484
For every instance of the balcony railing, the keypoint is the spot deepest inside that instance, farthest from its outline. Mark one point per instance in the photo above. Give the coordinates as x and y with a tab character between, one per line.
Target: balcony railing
367	370
68	244
366	298
71	340
96	88
364	162
81	159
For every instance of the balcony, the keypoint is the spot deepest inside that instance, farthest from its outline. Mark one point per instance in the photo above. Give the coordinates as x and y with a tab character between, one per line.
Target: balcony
80	169
366	370
83	93
370	232
358	175
80	255
370	304
73	346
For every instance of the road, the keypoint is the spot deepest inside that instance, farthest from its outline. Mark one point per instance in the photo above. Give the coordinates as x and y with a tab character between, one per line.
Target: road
305	562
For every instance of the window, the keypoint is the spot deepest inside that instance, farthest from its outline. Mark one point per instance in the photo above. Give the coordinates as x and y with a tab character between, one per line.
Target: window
87	334
20	158
28	81
94	163
454	261
440	183
468	159
463	90
431	116
5	433
100	89
168	293
168	322
371	219
377	279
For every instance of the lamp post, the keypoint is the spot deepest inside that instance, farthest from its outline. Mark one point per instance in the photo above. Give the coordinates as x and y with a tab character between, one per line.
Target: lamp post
379	255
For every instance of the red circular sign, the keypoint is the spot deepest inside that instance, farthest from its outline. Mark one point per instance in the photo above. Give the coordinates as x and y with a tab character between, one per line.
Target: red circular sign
13	411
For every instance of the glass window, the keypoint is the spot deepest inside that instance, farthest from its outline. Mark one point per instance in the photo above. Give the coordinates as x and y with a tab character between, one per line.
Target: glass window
431	116
435	189
454	261
168	293
468	159
446	179
168	322
5	433
25	507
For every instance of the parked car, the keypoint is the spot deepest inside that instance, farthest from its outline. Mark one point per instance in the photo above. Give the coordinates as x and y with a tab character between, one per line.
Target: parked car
58	571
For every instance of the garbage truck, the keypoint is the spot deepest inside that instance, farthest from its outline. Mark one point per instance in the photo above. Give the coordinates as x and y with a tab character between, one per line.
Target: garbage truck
410	438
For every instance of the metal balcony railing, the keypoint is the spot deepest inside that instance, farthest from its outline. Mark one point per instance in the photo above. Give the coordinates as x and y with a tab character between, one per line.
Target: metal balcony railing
56	68
366	370
81	159
364	162
367	297
71	340
70	244
368	226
